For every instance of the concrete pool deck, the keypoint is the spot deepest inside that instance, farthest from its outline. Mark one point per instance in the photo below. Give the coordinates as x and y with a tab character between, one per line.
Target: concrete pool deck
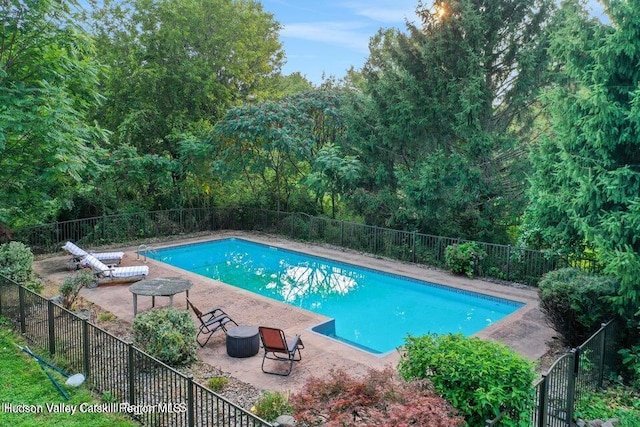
525	331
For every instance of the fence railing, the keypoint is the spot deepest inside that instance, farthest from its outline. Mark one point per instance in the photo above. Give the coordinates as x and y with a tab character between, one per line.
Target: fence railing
583	369
155	393
501	261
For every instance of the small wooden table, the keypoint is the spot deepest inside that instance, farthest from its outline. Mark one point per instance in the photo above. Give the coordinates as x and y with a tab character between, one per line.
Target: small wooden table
160	287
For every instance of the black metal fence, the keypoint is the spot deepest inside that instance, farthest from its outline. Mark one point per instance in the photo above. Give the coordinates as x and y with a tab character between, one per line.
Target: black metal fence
501	261
153	393
583	369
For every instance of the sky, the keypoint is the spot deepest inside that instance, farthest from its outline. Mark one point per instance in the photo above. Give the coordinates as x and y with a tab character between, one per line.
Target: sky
330	36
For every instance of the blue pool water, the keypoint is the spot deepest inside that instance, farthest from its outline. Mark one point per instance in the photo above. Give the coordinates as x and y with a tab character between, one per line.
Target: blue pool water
372	310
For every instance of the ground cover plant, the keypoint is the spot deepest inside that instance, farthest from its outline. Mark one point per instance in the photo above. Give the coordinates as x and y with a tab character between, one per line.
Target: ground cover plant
479	378
23	382
271	405
617	402
379	399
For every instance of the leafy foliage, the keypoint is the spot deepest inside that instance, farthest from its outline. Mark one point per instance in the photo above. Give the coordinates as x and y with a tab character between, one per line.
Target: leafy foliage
631	363
16	263
48	84
586	190
167	334
576	303
217	383
614	402
271	405
443	127
463	258
379	399
479	378
281	146
72	285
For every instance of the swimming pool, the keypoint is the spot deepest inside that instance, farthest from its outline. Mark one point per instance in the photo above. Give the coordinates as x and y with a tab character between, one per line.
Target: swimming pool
369	309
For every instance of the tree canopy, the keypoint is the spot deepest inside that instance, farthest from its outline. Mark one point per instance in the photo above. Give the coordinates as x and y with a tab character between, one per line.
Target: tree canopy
451	101
586	189
48	85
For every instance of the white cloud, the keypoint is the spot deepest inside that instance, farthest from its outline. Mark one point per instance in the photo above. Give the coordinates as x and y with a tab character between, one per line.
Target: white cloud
347	34
384	11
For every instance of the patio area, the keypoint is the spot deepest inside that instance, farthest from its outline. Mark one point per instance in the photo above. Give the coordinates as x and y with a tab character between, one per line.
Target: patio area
525	331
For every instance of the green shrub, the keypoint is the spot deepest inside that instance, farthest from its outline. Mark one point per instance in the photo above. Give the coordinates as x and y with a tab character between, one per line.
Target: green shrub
16	263
576	303
271	405
615	402
463	258
380	398
72	285
217	383
479	378
167	334
631	364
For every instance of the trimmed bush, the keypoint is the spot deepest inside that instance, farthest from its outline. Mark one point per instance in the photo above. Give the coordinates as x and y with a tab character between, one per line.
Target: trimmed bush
16	263
167	334
72	286
463	258
576	303
479	378
379	399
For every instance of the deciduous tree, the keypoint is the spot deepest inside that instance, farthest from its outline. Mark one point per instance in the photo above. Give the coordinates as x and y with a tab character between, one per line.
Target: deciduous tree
48	84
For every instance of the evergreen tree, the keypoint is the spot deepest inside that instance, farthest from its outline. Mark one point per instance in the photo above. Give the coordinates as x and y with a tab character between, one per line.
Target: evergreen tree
451	103
587	189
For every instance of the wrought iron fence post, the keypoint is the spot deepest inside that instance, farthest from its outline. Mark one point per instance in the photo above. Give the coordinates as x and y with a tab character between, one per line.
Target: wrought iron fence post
191	422
341	233
211	219
131	373
508	261
291	225
21	304
542	403
85	347
604	327
571	384
51	327
414	258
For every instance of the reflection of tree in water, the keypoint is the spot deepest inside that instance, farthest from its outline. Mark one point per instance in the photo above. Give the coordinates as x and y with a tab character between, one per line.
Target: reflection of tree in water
314	279
295	282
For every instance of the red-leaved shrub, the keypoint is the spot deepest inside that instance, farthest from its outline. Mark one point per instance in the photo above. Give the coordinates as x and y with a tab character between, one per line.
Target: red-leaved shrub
379	399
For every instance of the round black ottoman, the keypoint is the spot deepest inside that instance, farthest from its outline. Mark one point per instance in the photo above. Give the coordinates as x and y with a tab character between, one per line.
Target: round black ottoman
243	341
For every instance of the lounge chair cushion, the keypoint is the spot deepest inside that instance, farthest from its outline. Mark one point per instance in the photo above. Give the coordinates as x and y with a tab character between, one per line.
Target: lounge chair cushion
119	272
74	250
78	252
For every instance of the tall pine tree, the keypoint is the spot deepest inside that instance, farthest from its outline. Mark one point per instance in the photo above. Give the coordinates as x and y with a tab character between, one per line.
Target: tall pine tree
587	189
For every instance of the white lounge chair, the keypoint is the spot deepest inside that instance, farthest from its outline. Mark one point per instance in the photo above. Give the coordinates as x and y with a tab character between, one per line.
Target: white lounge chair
77	253
115	274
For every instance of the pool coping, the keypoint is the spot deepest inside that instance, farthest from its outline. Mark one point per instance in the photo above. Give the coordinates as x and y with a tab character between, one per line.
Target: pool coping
525	330
329	322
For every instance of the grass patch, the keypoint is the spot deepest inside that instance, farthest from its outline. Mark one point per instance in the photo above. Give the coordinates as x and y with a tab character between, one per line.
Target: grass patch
22	381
